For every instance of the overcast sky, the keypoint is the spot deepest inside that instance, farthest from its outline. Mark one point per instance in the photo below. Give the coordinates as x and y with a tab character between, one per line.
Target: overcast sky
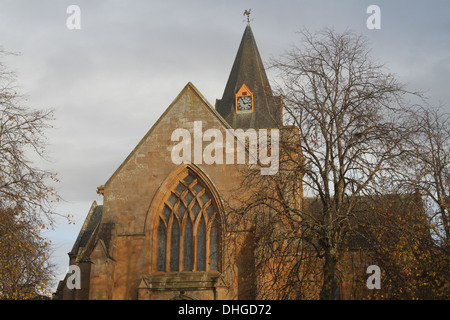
111	80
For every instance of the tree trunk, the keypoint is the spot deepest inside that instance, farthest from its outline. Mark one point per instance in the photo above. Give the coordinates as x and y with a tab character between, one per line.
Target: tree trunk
330	287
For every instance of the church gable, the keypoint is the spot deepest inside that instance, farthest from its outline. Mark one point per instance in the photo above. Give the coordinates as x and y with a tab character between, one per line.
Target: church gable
130	190
187	107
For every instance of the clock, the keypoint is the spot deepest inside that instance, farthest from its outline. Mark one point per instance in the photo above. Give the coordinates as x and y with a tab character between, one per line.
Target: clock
244	100
244	103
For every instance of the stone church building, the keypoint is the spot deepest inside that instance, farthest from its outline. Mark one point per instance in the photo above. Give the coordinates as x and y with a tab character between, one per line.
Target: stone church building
159	233
163	230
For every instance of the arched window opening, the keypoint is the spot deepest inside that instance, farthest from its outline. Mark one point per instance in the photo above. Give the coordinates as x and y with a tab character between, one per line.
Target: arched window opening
189	228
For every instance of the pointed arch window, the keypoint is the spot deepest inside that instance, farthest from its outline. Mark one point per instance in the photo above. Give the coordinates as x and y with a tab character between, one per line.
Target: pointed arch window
189	228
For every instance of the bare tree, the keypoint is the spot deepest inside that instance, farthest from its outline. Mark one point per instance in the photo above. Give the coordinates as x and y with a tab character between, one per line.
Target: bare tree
427	166
352	126
26	194
349	111
425	170
22	143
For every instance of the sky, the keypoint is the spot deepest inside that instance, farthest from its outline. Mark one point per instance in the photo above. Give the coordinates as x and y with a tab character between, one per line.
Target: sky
109	81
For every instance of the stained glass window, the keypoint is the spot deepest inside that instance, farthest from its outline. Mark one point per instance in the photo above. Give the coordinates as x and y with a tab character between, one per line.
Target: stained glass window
189	215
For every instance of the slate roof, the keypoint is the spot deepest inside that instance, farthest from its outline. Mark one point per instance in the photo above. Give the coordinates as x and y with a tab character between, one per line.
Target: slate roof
365	216
248	69
87	230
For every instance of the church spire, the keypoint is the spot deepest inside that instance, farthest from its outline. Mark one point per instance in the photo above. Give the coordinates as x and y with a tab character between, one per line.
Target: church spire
247	101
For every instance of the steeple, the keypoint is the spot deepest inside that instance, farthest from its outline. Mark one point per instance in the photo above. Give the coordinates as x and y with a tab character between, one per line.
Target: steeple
248	81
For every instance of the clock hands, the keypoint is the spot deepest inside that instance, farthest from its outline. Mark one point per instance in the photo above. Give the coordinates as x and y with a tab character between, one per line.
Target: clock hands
245	103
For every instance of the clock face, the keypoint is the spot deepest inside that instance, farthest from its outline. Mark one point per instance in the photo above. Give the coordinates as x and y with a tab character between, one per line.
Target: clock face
244	103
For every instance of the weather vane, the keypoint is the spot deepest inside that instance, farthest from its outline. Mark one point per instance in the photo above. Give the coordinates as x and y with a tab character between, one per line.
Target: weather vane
247	13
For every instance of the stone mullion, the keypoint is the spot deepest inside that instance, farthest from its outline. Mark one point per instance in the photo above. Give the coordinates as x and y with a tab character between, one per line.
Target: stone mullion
194	239
168	241
192	184
190	215
180	228
199	195
181	235
197	198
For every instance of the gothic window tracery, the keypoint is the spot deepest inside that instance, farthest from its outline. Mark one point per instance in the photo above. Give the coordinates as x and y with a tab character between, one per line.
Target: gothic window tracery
188	228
